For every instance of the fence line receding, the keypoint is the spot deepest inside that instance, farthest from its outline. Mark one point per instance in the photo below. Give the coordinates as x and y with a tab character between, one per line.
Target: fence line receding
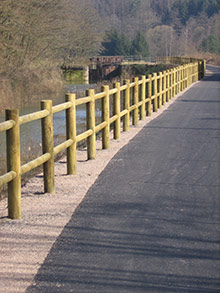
134	99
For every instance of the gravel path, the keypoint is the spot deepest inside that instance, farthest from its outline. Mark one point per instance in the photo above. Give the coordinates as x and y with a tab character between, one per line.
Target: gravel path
24	244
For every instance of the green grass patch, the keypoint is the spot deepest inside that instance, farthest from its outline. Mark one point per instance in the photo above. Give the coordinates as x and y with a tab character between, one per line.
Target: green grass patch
73	76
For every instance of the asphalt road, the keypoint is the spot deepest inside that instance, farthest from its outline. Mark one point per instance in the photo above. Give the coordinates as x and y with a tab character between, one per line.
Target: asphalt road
150	223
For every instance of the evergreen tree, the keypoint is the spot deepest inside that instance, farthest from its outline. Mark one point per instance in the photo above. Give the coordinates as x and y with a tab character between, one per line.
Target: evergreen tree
116	44
140	46
192	8
211	44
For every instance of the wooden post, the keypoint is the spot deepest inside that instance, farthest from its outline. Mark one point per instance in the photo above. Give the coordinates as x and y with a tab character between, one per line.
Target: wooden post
126	124
171	84
48	146
105	117
90	115
164	87
86	74
117	124
193	73
187	76
155	102
168	86
136	98
143	96
71	134
179	88
203	68
174	82
184	77
160	90
197	70
178	80
149	95
190	74
200	70
13	164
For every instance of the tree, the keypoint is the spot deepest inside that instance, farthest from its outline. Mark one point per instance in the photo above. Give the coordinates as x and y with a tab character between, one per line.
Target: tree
140	46
28	30
163	41
38	36
211	44
115	44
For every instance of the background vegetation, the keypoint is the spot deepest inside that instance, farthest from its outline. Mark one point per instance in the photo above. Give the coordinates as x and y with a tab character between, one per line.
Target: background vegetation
38	36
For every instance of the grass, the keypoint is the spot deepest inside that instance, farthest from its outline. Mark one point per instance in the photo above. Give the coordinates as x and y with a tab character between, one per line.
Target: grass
148	69
73	76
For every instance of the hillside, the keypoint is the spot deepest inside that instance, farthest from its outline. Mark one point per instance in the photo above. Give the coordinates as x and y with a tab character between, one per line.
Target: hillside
38	36
171	27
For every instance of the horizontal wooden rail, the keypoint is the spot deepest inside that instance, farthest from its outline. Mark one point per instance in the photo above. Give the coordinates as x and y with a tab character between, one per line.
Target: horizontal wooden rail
100	126
4	126
34	163
63	146
84	135
83	101
113	119
7	177
136	100
61	107
123	113
33	116
99	96
113	91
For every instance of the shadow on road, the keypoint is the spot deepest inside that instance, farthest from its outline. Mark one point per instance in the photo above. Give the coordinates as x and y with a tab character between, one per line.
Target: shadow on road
150	223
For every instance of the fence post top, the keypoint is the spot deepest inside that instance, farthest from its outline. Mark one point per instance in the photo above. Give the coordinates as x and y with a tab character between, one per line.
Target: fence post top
70	97
12	114
135	79
90	92
12	111
71	94
46	101
126	81
105	87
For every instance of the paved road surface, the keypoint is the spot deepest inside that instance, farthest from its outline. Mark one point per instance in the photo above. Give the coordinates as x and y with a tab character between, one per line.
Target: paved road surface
150	223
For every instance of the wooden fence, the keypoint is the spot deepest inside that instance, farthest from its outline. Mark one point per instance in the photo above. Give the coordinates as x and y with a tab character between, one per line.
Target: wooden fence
134	99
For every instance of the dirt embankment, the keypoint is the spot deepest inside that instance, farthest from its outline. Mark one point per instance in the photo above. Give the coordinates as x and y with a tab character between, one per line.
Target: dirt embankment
20	88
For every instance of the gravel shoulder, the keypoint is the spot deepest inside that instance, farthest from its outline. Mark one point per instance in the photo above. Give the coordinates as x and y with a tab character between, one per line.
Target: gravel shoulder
24	244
